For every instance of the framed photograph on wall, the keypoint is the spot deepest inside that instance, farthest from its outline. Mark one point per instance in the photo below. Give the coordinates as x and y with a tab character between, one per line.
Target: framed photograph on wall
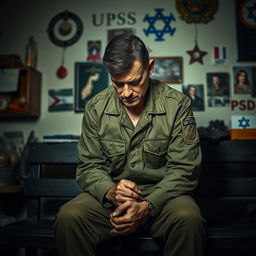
90	79
218	84
168	69
196	94
242	77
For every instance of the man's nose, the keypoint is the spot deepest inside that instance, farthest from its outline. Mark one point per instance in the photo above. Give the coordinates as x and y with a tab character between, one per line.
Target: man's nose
126	91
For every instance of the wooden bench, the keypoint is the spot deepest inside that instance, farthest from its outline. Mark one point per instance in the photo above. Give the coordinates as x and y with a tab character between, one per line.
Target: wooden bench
226	194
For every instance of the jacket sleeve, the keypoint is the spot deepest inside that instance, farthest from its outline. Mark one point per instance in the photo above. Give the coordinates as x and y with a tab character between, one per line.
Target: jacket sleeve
92	173
183	160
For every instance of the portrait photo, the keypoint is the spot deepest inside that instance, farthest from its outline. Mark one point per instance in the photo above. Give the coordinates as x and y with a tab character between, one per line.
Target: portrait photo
196	94
90	79
218	84
242	77
168	69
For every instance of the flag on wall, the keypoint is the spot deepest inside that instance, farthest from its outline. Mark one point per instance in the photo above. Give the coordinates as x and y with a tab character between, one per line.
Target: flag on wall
60	100
243	127
243	122
219	55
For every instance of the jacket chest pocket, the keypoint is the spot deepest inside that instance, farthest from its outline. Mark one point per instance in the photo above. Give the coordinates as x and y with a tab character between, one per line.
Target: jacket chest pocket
154	153
114	150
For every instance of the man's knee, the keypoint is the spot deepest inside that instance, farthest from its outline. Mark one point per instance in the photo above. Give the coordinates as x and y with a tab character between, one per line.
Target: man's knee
74	212
183	210
188	216
67	216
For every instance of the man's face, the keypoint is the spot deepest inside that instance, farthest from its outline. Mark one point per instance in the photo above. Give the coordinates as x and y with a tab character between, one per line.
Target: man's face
242	77
192	91
216	80
132	85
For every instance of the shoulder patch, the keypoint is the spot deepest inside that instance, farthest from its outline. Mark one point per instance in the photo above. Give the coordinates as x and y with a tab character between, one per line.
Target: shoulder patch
189	130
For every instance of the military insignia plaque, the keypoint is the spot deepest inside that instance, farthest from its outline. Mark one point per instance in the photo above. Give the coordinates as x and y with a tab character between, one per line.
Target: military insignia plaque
197	11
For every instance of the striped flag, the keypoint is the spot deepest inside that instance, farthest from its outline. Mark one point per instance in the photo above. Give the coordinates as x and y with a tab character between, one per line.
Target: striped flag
219	55
60	100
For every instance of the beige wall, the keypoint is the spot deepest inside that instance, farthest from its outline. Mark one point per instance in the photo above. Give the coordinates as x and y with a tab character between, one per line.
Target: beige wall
25	18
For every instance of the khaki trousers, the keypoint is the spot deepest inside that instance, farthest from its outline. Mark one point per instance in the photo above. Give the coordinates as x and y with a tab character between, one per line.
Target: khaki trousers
82	225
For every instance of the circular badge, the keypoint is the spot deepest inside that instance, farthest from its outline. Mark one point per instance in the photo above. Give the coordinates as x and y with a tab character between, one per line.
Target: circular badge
197	11
247	13
65	29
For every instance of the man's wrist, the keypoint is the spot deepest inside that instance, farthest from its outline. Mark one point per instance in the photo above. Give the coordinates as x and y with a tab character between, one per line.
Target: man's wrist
151	207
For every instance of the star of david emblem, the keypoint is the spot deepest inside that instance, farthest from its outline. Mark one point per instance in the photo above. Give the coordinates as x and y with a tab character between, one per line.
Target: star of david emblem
244	123
252	12
196	55
166	20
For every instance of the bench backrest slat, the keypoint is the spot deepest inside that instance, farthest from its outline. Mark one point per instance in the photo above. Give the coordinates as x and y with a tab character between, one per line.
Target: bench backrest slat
48	187
215	186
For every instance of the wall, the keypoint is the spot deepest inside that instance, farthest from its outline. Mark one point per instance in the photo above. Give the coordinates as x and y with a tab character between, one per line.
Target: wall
20	19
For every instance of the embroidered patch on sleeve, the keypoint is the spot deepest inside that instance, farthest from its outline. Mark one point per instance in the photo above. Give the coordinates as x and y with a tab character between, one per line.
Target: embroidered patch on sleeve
189	130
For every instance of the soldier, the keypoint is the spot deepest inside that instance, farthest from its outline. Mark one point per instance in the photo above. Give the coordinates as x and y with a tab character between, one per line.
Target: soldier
217	87
139	161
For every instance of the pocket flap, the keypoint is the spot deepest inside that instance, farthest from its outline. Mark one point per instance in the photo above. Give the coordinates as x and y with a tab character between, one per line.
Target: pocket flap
156	147
113	148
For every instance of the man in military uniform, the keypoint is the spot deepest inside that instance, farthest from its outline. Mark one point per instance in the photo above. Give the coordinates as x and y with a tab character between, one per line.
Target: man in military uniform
218	88
139	159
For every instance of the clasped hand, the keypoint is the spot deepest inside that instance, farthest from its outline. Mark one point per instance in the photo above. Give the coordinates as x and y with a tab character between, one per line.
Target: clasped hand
130	212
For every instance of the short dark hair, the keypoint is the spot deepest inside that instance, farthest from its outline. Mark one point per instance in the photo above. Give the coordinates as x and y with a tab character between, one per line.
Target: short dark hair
122	51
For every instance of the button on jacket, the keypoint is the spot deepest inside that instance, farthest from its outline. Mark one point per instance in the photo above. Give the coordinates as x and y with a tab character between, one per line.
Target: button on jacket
161	154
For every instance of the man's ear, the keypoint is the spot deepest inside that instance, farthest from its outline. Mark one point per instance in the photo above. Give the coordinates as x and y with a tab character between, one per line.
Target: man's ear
151	66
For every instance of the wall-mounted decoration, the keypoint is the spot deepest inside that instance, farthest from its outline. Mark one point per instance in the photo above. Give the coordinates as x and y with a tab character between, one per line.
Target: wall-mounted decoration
242	77
246	29
94	48
197	11
64	30
243	105
196	55
218	91
154	21
112	19
196	94
243	127
60	100
218	84
111	33
254	81
90	79
168	69
219	55
218	101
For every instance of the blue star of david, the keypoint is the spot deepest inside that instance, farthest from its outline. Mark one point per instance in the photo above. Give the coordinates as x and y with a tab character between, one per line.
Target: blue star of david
244	123
252	12
159	33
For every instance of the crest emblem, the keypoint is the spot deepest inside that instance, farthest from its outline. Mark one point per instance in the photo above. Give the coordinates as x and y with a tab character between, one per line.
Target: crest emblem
200	11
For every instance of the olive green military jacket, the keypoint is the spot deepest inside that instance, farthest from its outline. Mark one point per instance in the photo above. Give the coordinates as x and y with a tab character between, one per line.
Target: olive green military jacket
161	154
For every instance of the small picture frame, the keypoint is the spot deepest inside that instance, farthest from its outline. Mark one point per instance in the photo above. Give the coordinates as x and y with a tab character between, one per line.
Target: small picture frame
168	69
196	94
90	79
242	77
218	84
